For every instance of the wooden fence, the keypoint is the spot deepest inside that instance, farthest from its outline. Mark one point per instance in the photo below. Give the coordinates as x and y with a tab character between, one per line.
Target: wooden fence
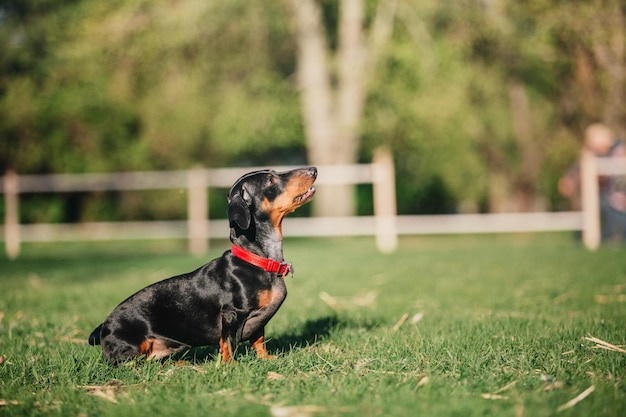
385	224
591	168
197	229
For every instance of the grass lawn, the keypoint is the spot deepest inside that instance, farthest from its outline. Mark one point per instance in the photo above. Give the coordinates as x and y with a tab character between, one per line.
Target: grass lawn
446	326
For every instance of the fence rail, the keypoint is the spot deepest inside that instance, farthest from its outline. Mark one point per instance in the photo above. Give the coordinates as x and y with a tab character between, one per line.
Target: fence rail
160	180
197	182
197	229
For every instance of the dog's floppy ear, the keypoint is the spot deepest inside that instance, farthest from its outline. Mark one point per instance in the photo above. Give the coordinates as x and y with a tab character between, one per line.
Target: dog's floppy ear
239	212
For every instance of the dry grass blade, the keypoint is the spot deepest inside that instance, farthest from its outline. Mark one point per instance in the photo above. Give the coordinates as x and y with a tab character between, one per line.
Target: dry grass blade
365	300
563	297
107	395
601	344
340	303
400	322
330	301
4	403
506	387
108	392
198	369
73	336
273	376
494	397
577	399
612	298
302	410
417	318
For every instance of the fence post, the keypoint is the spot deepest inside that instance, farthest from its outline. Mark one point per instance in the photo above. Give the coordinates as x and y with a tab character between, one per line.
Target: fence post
590	200
385	211
197	211
11	216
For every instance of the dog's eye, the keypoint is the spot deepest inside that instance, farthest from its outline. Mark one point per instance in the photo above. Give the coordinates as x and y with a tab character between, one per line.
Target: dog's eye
270	181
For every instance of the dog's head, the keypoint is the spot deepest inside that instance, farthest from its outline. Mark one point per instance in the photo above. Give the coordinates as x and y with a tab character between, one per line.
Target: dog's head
267	196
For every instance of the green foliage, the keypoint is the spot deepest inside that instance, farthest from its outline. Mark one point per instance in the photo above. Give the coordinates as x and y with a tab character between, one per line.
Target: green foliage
144	85
419	106
141	85
496	326
441	97
119	85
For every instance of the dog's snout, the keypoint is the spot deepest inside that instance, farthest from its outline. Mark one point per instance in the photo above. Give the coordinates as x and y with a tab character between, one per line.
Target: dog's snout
312	172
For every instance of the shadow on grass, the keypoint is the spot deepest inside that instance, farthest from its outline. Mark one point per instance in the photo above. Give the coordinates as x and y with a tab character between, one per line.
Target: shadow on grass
312	332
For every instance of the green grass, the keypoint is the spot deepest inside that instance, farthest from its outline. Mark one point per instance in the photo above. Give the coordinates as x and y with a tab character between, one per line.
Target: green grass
502	332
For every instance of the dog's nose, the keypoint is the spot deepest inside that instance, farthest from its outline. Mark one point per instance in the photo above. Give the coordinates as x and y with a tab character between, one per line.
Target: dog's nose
312	172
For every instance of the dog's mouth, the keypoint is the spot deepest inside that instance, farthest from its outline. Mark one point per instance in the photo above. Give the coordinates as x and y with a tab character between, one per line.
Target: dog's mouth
306	197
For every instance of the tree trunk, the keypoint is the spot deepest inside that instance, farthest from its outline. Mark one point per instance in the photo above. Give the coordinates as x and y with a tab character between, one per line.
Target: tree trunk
526	196
332	113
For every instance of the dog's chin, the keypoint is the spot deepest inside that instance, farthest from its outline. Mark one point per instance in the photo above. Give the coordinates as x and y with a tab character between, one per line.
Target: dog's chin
305	198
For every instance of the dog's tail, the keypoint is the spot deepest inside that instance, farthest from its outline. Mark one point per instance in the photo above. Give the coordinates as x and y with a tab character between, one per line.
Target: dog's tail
94	337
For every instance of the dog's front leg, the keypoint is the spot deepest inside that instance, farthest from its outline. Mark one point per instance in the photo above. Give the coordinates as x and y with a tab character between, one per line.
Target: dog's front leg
227	339
258	344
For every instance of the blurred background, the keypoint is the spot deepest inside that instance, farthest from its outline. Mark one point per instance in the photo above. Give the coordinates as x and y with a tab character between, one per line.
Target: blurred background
483	103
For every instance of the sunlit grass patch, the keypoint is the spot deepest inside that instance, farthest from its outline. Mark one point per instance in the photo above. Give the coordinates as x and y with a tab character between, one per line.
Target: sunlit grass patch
472	325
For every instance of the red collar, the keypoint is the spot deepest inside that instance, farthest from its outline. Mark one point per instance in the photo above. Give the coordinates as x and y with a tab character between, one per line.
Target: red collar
281	268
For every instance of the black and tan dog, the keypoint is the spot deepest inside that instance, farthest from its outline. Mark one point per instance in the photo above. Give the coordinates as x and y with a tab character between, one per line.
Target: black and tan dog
230	299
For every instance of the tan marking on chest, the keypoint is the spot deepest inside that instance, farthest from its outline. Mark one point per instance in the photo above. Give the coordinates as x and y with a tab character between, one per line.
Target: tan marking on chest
264	298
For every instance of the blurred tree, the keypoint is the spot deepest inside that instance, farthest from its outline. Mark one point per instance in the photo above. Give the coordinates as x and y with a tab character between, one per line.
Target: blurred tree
208	79
482	102
569	54
54	117
502	38
591	39
486	78
137	84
